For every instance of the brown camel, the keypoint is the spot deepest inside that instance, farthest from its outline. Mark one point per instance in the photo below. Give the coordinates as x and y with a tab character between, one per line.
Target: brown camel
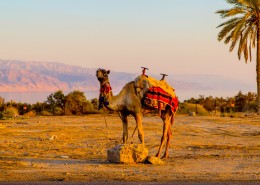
129	102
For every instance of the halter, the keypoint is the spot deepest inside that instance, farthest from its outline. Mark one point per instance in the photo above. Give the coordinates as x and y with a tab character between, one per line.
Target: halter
105	89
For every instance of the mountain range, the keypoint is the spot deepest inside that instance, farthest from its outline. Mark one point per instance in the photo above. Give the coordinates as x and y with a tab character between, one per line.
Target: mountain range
30	76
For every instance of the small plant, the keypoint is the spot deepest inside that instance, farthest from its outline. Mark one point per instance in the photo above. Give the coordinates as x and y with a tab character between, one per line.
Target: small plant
10	113
45	113
186	108
30	114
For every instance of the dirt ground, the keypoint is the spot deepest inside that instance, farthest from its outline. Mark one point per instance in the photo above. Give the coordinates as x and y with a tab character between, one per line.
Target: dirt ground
75	149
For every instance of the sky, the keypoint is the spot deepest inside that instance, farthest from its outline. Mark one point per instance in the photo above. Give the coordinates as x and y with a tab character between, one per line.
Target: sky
167	36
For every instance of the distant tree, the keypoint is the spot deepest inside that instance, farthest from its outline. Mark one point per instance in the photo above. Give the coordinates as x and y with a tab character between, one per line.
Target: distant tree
39	107
74	103
230	104
209	104
56	102
240	101
23	108
250	102
243	28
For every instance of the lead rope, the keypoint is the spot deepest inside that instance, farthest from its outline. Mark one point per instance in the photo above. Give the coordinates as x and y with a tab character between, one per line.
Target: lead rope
105	121
106	128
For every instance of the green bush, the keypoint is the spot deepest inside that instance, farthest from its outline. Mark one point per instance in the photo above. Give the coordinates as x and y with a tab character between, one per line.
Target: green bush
10	112
30	114
186	108
58	111
46	113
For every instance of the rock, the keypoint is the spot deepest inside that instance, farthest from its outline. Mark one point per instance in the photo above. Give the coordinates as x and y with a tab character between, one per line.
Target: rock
64	156
54	137
192	114
154	160
127	153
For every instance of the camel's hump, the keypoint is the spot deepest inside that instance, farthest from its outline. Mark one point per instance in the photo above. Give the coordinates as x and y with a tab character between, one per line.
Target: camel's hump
156	83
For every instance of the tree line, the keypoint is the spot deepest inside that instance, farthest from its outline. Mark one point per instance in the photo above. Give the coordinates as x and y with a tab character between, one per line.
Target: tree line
57	103
239	103
76	103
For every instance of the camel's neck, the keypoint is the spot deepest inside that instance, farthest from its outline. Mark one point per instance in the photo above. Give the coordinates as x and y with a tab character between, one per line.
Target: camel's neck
118	102
114	102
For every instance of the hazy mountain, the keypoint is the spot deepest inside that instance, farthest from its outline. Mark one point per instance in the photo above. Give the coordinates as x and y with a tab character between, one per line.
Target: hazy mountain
23	76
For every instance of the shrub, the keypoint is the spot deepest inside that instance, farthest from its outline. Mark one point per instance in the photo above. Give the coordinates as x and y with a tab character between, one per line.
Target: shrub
74	104
10	112
30	114
46	113
186	108
58	111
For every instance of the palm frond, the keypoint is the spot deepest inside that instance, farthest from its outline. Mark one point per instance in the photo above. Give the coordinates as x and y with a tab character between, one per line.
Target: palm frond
246	52
243	29
231	12
231	21
253	37
229	26
234	2
247	3
250	51
243	43
236	33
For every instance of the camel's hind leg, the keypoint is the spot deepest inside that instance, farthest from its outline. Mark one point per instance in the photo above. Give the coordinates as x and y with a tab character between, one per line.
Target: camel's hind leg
169	136
164	137
166	117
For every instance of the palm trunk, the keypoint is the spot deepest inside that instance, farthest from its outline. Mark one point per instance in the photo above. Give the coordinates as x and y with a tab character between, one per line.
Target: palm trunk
258	69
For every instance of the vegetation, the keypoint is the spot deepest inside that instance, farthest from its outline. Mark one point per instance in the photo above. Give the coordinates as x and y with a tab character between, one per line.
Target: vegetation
239	103
10	112
56	103
243	28
188	108
75	103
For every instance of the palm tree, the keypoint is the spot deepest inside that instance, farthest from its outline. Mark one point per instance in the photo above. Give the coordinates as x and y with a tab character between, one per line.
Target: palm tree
243	28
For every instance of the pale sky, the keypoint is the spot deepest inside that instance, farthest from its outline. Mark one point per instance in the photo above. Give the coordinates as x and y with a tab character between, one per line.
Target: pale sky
167	36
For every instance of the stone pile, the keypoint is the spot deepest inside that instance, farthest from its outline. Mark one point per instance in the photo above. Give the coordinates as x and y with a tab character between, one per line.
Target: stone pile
127	153
131	153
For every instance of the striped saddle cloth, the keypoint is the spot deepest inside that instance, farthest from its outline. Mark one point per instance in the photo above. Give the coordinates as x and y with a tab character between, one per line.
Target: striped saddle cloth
157	98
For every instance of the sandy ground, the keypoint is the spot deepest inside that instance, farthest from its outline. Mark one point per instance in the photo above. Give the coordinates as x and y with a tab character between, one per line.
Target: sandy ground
74	149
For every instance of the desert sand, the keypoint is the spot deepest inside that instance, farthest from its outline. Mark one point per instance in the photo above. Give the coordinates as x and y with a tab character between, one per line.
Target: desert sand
75	149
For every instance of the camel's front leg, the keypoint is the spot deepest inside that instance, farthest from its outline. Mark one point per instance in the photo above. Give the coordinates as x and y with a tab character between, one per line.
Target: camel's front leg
125	128
138	119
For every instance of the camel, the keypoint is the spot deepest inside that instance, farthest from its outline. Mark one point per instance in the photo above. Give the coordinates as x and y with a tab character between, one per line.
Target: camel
129	101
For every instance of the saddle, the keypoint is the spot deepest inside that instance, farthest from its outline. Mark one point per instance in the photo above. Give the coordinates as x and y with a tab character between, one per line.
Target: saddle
156	94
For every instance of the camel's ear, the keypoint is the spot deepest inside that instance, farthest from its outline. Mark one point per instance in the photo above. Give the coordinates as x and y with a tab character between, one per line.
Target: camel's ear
108	71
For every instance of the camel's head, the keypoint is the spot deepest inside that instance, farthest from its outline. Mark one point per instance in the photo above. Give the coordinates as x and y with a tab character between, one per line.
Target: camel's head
102	75
105	88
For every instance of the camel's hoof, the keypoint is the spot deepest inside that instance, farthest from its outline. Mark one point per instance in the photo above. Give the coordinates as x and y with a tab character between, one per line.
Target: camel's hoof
165	157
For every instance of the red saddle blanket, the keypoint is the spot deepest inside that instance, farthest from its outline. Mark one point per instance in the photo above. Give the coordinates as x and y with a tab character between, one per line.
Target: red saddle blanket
157	98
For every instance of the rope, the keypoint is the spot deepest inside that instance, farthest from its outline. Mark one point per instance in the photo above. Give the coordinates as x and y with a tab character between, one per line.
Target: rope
105	120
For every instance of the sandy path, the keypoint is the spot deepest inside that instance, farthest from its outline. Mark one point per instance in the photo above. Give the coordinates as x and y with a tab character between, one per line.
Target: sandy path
74	149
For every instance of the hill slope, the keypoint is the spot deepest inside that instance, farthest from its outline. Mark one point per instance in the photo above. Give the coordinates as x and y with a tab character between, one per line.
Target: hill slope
23	76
